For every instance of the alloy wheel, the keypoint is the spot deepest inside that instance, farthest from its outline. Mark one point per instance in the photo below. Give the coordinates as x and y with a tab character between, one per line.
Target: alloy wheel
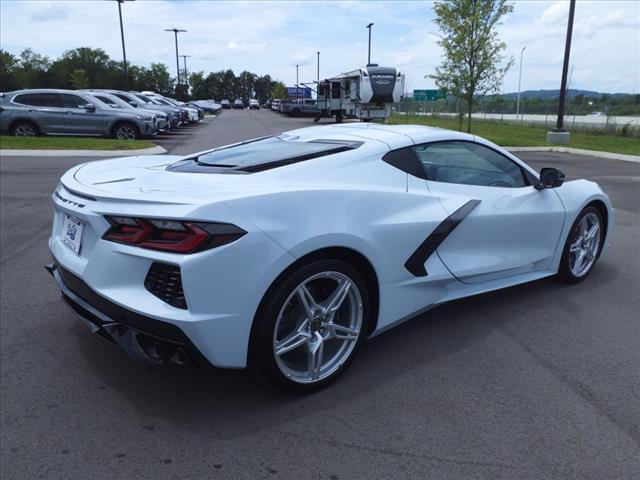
24	130
585	245
125	132
318	327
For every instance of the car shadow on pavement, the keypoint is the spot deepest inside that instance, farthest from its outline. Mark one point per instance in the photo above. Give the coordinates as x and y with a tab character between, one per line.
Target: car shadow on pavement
232	403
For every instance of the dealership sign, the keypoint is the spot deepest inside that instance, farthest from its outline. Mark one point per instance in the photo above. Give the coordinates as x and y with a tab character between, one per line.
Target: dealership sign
298	92
426	95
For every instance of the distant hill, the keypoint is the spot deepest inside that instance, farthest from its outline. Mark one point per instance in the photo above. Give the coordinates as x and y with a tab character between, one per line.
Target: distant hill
571	93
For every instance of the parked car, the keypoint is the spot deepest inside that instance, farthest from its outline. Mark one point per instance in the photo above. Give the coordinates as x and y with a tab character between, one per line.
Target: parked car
284	105
189	115
254	104
194	113
162	119
303	107
282	277
209	106
238	104
140	101
69	112
226	105
275	103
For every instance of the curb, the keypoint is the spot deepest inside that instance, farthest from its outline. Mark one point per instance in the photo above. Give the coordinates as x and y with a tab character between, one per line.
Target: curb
579	151
83	153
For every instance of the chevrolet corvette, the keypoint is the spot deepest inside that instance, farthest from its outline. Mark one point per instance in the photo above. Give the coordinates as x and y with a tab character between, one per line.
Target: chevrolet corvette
284	253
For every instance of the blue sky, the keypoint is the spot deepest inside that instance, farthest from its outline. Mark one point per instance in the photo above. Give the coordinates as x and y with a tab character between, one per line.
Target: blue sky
272	37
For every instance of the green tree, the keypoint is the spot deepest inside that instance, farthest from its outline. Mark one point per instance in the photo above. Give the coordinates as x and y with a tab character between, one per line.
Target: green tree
8	66
78	79
472	50
32	71
278	90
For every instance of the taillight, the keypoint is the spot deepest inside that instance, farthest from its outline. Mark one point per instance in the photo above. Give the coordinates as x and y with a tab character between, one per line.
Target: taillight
170	235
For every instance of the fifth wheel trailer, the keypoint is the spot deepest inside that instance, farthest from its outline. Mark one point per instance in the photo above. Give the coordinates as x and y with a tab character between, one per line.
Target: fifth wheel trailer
367	93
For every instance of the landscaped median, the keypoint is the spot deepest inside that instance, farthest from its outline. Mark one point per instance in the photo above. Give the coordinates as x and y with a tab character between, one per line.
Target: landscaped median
70	143
515	135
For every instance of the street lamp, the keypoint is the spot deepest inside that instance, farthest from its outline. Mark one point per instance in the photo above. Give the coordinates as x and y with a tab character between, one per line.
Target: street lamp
369	56
297	74
184	58
175	32
318	72
519	80
124	51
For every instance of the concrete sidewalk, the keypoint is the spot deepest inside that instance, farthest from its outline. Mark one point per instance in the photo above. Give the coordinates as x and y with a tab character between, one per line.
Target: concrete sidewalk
578	151
82	153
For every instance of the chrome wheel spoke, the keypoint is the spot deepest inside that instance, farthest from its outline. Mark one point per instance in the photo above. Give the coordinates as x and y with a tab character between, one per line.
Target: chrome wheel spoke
576	246
341	332
293	341
308	302
314	356
593	231
337	297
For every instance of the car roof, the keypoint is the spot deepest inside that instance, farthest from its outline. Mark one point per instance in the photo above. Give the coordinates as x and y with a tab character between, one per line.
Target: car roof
395	136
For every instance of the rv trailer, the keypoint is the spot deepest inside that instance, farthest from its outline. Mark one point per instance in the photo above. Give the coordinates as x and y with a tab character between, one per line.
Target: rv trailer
367	93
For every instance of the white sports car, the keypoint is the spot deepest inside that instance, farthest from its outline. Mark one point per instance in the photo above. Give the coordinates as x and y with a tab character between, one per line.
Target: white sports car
283	253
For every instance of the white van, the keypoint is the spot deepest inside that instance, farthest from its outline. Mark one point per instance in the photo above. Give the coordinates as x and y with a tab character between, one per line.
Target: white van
275	103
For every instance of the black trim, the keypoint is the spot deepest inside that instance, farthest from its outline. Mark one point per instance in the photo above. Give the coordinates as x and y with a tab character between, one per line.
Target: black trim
405	159
415	263
147	326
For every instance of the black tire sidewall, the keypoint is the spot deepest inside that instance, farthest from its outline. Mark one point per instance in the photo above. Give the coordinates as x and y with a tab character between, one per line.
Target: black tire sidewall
15	126
127	124
261	357
564	271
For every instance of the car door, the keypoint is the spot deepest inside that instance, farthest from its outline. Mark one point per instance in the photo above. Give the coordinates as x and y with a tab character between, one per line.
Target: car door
503	225
43	109
80	120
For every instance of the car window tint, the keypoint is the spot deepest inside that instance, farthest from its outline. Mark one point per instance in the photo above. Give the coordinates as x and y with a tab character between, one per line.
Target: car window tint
37	99
469	164
71	101
106	100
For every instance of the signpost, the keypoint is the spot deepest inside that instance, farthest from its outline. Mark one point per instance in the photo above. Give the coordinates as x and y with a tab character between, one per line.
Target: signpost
428	95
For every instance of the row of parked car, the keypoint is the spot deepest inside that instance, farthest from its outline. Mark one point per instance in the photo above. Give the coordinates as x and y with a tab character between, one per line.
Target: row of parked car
296	107
96	112
238	104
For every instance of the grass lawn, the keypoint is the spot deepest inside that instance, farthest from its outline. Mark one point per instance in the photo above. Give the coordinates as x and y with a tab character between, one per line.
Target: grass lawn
513	135
70	143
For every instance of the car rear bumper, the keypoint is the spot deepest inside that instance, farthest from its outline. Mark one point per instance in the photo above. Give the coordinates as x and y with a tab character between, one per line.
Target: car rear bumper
145	339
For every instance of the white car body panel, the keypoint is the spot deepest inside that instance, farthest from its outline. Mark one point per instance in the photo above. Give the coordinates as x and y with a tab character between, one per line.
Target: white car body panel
351	200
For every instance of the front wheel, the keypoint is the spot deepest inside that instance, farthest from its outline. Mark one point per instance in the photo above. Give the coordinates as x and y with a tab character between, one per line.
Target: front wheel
310	326
24	129
582	247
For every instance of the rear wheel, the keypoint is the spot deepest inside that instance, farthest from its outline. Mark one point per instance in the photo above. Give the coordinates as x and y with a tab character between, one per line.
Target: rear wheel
126	131
310	326
24	129
582	247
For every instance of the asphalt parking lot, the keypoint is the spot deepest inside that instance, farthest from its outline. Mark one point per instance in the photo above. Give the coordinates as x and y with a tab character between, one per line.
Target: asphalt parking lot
533	382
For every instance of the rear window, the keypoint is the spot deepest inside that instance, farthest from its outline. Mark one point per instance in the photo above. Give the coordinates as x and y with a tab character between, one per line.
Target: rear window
37	99
263	154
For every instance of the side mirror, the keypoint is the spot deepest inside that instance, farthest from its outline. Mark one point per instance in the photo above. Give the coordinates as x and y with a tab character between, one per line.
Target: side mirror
550	178
90	107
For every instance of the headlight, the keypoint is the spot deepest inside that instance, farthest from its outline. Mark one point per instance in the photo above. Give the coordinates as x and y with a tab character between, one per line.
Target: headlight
143	118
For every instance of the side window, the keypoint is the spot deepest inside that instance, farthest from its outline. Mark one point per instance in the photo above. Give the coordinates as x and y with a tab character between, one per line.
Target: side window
335	90
106	100
71	101
36	99
468	164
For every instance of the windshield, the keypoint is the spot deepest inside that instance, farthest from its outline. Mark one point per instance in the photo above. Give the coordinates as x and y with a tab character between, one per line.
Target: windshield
263	151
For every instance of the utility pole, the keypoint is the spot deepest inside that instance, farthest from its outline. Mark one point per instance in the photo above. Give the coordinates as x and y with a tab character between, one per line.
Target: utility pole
186	78
519	80
297	82
369	56
318	71
559	135
175	32
124	51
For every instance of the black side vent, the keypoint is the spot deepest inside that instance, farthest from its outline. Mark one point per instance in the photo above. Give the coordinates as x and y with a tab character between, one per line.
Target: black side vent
165	282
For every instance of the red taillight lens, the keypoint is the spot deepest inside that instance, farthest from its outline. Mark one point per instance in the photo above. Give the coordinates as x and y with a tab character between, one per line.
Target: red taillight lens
170	235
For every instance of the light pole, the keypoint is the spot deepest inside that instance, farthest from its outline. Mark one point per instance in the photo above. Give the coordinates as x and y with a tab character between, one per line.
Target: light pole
369	56
519	80
124	51
318	71
184	58
175	32
559	135
297	66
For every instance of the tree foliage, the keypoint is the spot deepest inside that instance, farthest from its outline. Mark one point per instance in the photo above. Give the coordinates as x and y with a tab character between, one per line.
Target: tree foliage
92	68
472	61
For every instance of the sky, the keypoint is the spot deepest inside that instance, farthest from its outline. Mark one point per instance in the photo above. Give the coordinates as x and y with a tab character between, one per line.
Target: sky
272	37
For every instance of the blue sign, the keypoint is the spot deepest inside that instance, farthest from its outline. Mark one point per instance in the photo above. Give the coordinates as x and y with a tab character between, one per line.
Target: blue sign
298	92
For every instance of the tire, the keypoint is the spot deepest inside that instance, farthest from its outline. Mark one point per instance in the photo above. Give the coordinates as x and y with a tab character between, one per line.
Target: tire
126	131
24	129
295	112
583	246
315	352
